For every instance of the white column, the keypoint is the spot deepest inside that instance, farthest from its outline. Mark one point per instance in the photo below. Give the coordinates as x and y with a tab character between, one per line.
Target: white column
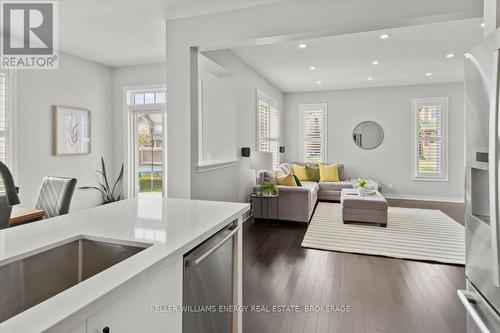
491	16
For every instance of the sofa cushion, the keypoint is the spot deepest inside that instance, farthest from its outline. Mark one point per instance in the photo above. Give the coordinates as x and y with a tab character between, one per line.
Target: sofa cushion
297	180
312	173
313	186
300	171
286	167
334	186
340	166
286	180
268	176
329	172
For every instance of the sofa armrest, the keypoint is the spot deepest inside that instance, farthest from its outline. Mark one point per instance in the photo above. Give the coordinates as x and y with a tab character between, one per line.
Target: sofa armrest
294	203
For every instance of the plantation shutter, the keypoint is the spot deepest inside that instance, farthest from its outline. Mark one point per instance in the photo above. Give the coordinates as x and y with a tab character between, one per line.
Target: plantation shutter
268	127
313	132
313	136
431	142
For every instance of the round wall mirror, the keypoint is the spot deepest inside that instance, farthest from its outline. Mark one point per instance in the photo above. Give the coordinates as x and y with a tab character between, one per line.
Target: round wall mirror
368	135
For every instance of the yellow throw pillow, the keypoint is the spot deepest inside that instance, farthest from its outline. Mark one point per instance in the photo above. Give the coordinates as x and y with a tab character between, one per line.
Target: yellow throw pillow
300	171
285	179
328	173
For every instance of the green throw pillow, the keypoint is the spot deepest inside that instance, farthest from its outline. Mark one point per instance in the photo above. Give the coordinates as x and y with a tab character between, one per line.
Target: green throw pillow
312	173
297	180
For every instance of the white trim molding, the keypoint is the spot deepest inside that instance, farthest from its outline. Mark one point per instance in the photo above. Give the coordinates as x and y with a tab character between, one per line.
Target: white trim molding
204	166
129	154
11	122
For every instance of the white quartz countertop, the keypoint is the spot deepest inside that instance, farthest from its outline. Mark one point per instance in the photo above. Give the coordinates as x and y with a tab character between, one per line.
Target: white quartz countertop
171	226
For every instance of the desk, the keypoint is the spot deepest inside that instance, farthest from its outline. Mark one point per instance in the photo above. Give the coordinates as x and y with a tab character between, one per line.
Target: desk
21	215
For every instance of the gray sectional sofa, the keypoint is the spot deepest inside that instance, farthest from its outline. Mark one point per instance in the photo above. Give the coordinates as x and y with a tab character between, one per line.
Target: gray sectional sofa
298	203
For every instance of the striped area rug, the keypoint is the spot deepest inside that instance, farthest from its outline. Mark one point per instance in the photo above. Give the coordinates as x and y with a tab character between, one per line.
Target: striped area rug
419	234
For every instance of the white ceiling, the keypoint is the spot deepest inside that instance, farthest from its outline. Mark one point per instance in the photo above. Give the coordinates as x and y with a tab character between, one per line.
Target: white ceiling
345	62
123	33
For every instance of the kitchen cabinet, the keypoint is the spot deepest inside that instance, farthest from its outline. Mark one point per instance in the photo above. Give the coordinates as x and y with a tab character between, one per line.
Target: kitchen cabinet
140	310
144	292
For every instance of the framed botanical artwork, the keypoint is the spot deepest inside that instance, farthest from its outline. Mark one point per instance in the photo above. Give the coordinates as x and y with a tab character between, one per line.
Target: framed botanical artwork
71	131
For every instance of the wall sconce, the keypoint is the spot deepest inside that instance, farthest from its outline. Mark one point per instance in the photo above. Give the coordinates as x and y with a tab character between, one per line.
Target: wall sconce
282	149
245	151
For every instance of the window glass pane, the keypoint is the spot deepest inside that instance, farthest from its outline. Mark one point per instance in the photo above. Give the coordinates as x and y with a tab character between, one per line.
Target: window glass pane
149	98
430	150
139	98
430	156
160	97
429	121
149	170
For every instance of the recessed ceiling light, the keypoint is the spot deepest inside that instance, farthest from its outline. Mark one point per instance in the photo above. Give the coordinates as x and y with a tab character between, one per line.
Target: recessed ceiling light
319	82
428	74
482	25
384	36
312	68
375	62
370	78
302	46
450	55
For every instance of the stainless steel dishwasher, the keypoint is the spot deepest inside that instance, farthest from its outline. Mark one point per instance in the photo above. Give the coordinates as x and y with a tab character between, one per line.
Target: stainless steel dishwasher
208	284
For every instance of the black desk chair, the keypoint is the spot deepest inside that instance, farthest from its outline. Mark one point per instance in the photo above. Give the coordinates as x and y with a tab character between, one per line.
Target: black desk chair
55	195
8	195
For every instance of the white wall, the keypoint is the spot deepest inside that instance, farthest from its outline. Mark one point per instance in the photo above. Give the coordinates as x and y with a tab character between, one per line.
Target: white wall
258	25
123	77
234	183
217	129
79	83
390	163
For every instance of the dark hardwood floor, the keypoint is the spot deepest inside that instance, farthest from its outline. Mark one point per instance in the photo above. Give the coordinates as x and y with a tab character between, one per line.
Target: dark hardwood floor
384	294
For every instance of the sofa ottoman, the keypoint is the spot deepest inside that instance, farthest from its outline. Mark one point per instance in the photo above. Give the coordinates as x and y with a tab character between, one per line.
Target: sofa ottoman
367	209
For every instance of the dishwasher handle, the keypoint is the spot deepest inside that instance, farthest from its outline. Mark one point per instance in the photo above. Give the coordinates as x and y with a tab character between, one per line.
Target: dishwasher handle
467	300
214	248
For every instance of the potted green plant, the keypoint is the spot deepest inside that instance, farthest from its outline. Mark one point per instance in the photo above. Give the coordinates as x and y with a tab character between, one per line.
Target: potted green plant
268	189
106	191
361	183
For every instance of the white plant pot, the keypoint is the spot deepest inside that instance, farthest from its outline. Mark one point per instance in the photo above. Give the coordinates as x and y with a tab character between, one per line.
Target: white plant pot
362	191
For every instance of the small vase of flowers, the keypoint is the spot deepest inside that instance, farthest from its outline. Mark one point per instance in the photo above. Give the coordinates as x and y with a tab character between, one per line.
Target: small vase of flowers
361	183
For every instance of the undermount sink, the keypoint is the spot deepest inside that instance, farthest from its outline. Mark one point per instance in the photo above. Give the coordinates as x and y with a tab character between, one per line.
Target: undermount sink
33	279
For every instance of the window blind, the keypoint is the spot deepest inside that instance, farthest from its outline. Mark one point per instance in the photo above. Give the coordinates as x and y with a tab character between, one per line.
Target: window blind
313	132
268	128
431	145
313	136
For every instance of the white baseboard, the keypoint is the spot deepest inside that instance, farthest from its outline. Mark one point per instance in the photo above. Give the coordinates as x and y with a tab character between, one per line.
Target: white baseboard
423	198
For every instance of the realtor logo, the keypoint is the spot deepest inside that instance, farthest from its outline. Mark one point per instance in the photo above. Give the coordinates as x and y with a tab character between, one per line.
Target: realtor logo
30	35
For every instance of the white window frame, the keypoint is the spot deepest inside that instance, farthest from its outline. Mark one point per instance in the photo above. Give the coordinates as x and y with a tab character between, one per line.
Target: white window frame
303	108
11	121
259	95
415	104
129	149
